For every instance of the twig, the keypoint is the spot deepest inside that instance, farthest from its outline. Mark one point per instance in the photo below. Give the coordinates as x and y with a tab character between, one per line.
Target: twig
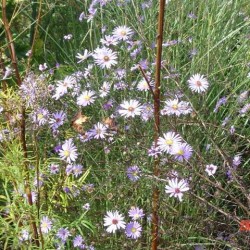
147	81
23	132
157	92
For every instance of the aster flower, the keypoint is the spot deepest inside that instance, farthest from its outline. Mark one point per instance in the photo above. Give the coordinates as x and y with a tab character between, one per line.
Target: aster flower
25	235
86	98
68	151
236	160
147	111
109	40
133	173
181	151
105	58
135	213
78	241
133	230
40	116
57	120
83	57
113	221
143	85
122	33
63	234
130	108
176	189
46	224
154	151
99	131
172	107
211	169
168	140
77	170
198	83
54	168
105	89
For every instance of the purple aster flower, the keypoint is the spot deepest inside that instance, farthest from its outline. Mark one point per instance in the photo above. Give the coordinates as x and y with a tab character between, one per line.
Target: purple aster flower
181	151
63	234
245	109
220	102
78	241
54	168
236	160
133	173
57	148
99	131
133	230
77	170
66	190
69	169
57	120
135	213
108	105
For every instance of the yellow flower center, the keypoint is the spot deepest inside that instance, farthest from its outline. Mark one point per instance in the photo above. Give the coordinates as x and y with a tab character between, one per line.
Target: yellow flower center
175	106
131	109
133	230
169	141
86	98
180	152
123	33
66	153
40	116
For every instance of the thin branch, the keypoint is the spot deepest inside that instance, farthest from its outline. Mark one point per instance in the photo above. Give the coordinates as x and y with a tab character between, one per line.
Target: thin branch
157	92
147	81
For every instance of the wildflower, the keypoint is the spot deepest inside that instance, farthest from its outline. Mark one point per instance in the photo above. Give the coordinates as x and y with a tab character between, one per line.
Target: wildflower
243	96
172	107
147	111
86	206
77	170
40	116
130	108
105	58
133	230
109	40
68	151
135	213
63	234
168	140
78	241
7	72
220	102
122	33
83	57
86	98
105	89
99	131
181	151
133	173
113	221
68	37
198	83
154	151
54	168
43	67
236	160
57	120
245	109
46	224
211	169
176	189
25	235
143	85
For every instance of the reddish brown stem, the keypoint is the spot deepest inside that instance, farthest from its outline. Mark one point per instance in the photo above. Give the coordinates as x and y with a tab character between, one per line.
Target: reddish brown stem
157	92
23	132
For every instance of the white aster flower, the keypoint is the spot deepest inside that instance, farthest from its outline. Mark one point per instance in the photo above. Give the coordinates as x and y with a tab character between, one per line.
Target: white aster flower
130	108
114	221
122	33
86	98
99	131
143	85
198	83
83	57
68	151
105	57
176	189
211	169
168	140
